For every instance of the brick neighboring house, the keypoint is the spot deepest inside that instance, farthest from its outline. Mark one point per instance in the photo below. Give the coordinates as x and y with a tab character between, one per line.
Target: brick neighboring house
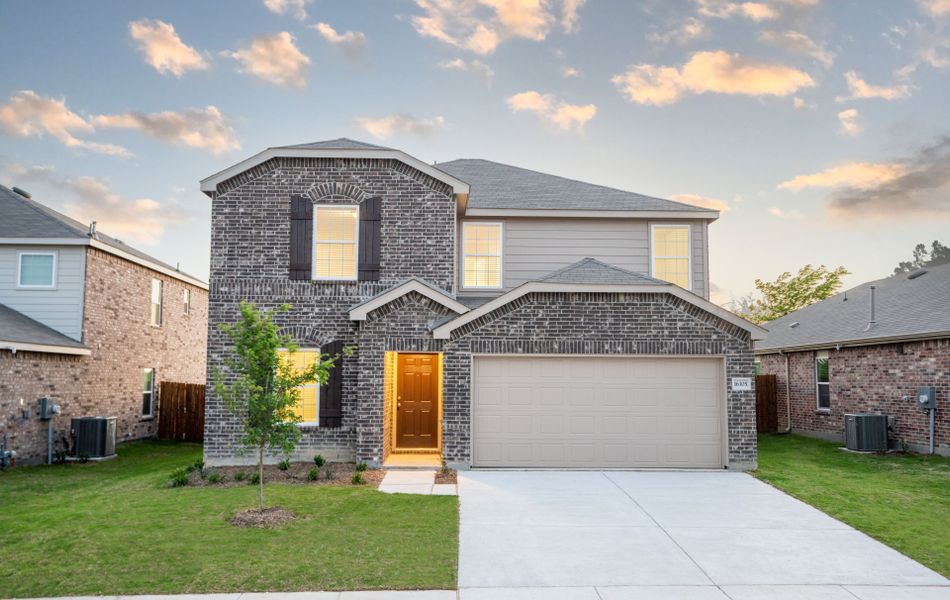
78	323
499	316
831	359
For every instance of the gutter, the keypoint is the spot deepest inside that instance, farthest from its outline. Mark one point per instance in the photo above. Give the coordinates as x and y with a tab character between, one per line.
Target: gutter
896	339
15	347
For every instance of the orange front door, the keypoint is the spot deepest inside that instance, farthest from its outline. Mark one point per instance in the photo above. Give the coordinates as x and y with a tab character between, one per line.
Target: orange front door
417	401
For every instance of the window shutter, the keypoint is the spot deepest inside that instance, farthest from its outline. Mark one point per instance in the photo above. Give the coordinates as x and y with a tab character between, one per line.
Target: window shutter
331	393
370	221
301	237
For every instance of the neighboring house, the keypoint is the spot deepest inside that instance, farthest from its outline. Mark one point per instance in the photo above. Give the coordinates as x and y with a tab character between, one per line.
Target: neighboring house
842	356
499	316
91	322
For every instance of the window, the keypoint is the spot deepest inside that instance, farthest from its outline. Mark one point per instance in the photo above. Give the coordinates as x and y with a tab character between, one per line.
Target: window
186	299
335	235
823	381
36	270
758	367
148	392
156	314
670	251
481	255
309	393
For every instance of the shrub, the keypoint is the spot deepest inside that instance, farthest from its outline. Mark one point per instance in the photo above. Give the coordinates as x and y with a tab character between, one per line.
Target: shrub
361	467
313	474
83	457
179	477
319	460
255	478
358	478
240	476
215	478
284	464
445	467
328	474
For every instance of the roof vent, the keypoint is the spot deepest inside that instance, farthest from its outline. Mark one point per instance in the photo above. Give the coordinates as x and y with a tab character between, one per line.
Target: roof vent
913	275
22	192
871	317
794	325
92	229
845	299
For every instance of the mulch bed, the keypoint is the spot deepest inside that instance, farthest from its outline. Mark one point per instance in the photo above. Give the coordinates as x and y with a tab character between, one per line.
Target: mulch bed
447	476
269	517
340	474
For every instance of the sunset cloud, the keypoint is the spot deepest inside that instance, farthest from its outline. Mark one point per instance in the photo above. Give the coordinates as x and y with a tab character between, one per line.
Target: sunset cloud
682	32
569	16
799	43
792	215
553	110
399	123
849	122
205	129
295	8
723	9
570	72
27	114
860	90
351	44
858	175
935	8
709	72
702	201
163	49
275	59
476	67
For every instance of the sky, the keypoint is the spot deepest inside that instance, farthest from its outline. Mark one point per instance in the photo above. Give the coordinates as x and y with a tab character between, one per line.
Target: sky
820	129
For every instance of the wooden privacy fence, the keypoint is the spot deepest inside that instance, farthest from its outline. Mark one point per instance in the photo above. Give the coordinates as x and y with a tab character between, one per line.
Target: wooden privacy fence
181	411
766	404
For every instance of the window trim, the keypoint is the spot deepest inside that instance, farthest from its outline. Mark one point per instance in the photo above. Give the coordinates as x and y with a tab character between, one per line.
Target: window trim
822	355
19	269
186	300
501	255
689	250
151	394
316	385
161	302
356	243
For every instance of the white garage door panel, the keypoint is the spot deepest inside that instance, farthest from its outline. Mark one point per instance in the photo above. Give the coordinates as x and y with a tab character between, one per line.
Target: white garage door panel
592	412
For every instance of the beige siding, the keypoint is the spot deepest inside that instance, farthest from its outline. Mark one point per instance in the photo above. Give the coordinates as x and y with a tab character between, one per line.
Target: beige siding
59	308
535	247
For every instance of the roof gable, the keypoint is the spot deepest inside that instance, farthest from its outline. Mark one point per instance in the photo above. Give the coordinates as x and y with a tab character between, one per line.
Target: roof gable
359	312
591	270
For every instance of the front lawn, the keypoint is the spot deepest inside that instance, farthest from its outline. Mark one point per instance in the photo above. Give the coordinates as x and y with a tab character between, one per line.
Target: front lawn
111	528
901	500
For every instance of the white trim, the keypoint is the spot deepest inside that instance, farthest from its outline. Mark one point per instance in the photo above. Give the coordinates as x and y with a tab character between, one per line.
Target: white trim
501	256
360	312
148	264
151	393
355	243
46	348
822	355
315	385
444	332
689	249
210	184
19	268
591	214
39	241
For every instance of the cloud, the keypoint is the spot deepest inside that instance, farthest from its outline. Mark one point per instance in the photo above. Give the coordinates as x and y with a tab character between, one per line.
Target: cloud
857	175
476	67
704	202
799	43
552	110
569	16
723	9
141	220
861	90
351	44
570	72
399	123
801	104
296	8
206	129
682	32
792	215
274	59
717	72
935	8
849	122
163	49
27	114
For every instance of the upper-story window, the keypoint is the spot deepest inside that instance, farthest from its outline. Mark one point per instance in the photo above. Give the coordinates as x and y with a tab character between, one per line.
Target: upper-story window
186	301
156	310
36	270
822	382
481	255
669	249
335	241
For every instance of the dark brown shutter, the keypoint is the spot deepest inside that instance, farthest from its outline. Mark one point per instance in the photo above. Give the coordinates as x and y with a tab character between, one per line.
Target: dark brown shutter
301	237
331	393
370	221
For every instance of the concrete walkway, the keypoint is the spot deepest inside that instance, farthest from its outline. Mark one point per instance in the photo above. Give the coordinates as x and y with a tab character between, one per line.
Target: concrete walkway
529	535
415	482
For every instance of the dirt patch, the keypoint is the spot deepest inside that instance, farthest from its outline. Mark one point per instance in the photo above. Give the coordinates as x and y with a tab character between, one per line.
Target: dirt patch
267	518
297	473
446	476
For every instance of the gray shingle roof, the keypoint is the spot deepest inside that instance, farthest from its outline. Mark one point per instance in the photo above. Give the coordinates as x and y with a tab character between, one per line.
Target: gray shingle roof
591	270
338	144
17	327
905	307
26	218
495	185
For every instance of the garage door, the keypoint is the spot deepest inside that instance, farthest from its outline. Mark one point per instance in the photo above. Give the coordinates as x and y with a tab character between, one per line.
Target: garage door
597	412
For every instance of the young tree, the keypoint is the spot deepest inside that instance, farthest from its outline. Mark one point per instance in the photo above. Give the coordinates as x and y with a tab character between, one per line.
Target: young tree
789	293
937	255
262	390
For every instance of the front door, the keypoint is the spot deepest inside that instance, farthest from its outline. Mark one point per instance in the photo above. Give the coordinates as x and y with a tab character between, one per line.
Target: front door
417	401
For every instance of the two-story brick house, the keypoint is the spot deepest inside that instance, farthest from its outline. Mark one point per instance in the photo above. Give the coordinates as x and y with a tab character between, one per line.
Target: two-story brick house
91	322
499	316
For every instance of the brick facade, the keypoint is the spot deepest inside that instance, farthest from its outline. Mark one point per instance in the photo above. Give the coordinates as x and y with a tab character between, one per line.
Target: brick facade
109	381
878	379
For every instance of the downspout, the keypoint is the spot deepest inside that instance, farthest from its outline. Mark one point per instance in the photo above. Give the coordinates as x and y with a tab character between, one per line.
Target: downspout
788	395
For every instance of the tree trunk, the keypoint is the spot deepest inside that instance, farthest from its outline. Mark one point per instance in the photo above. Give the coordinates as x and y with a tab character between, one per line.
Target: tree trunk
260	474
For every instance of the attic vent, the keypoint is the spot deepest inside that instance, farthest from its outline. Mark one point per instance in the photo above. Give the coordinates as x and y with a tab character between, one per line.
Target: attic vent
22	192
913	275
794	325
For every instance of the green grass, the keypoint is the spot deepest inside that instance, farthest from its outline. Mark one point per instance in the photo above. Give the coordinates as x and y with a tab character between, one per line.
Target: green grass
111	528
901	500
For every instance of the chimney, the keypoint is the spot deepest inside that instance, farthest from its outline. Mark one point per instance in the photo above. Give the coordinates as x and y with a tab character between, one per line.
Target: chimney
92	229
871	317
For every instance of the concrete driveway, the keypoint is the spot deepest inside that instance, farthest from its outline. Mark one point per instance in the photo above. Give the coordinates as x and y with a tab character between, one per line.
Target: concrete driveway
619	535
